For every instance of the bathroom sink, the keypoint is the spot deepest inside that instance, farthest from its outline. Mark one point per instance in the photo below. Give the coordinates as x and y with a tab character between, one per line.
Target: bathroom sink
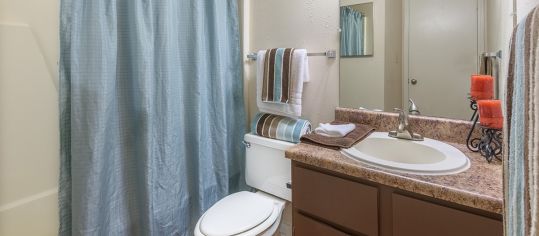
428	157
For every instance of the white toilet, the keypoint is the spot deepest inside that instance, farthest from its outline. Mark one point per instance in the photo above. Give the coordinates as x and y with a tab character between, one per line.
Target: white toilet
247	213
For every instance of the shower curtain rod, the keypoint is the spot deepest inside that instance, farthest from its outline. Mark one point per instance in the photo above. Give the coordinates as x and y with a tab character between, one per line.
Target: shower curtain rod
328	54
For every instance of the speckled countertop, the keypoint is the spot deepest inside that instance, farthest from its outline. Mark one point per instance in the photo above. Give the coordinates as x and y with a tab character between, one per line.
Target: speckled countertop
479	187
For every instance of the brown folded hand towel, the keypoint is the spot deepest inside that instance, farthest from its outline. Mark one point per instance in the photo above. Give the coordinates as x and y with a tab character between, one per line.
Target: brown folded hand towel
359	133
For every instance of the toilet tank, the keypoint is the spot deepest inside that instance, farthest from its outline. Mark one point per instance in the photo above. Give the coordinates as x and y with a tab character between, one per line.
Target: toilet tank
266	167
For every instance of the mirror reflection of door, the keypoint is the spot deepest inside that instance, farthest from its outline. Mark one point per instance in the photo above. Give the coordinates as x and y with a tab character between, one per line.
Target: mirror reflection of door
444	40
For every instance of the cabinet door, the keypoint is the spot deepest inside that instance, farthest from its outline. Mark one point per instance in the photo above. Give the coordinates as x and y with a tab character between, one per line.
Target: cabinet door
343	202
413	217
305	226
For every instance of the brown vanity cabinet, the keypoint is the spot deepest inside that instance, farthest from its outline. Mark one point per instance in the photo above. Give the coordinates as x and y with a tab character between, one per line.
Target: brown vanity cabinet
326	203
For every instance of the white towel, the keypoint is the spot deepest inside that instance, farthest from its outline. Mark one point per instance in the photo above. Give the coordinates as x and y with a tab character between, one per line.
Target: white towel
336	131
299	75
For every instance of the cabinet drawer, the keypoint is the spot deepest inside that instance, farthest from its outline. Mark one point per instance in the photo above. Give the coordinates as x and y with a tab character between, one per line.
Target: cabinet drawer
415	217
305	226
346	203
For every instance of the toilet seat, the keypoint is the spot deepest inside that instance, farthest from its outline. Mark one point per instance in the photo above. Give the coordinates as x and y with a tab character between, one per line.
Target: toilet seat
242	214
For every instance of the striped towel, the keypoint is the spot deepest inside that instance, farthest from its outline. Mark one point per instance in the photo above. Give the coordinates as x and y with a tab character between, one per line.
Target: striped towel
277	75
280	127
521	130
300	74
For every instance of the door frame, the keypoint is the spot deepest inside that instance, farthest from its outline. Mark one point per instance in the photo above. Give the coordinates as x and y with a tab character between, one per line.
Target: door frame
481	43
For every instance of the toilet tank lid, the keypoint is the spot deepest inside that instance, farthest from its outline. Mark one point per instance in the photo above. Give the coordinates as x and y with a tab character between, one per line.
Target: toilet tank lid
236	213
268	142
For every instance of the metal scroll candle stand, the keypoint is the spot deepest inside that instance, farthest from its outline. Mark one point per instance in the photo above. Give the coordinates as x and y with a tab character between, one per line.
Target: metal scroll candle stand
489	145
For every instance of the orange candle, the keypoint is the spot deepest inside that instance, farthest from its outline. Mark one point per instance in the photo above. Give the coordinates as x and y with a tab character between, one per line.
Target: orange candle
490	113
482	87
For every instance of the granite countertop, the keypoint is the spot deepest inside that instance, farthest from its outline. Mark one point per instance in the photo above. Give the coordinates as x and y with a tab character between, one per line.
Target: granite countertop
479	187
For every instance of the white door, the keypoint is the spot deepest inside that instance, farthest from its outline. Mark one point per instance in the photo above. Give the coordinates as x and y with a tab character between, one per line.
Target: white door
443	48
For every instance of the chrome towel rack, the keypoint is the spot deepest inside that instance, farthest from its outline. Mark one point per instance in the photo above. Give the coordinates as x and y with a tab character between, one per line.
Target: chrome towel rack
328	54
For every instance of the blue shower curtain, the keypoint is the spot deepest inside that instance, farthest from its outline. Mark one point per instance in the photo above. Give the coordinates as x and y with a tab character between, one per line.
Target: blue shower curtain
152	114
351	32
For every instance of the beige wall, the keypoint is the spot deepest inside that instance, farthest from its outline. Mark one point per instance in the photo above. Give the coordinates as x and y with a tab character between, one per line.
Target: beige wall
362	79
499	27
312	25
376	82
29	140
393	57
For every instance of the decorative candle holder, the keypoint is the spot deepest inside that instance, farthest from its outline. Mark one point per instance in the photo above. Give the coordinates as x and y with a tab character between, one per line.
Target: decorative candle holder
489	145
473	143
473	106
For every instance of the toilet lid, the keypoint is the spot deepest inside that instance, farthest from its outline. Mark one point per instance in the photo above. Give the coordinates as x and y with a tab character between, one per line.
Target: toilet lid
236	213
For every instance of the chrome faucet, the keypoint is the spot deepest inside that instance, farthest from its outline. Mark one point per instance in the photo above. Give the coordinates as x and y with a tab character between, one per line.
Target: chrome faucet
403	130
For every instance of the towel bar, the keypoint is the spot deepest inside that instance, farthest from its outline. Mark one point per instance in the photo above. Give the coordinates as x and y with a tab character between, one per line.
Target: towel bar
328	54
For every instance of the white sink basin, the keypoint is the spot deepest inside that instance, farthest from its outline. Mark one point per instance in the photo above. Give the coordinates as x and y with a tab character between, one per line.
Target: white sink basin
428	157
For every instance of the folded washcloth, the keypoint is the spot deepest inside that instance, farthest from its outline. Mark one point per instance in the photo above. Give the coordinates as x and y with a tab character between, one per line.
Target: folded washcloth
280	127
359	133
299	73
336	131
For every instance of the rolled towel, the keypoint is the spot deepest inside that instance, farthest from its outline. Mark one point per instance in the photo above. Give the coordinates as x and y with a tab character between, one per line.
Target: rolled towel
335	131
280	127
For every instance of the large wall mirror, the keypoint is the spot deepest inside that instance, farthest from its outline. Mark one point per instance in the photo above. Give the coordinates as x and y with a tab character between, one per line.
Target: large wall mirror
422	51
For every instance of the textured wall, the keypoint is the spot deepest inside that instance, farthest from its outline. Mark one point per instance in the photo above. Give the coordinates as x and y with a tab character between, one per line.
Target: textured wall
28	117
309	24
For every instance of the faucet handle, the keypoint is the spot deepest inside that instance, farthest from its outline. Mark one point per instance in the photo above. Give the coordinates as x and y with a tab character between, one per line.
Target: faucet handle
403	118
403	130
